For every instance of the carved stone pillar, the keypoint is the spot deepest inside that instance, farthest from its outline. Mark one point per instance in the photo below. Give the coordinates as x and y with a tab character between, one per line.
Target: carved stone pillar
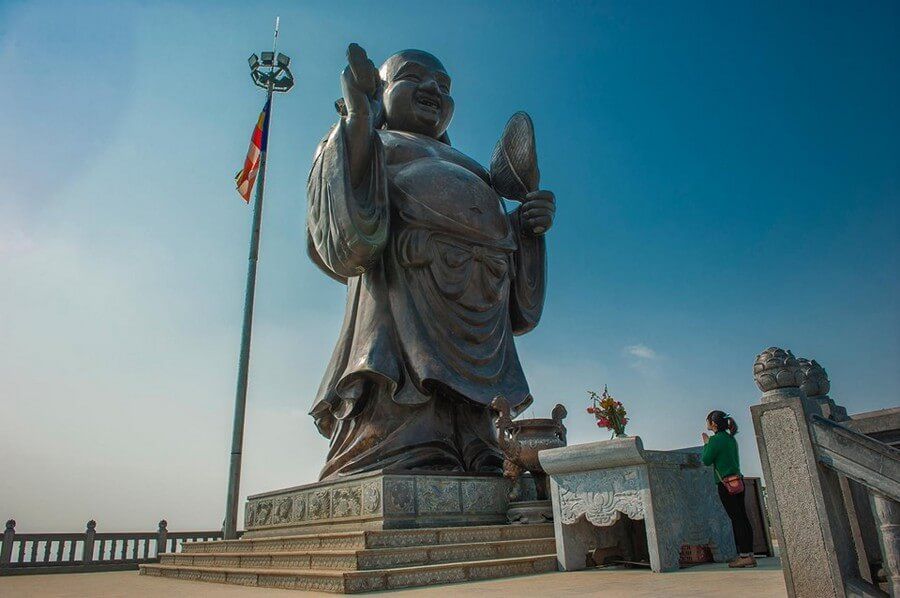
887	512
807	505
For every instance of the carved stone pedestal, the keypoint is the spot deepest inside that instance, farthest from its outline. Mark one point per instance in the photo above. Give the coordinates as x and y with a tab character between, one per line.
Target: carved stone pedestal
530	511
373	532
380	500
613	493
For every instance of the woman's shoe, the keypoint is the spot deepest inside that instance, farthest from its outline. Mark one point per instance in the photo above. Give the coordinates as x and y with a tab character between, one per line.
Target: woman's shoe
743	562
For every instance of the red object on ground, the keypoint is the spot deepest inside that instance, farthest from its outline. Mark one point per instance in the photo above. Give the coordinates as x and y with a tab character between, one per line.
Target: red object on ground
695	555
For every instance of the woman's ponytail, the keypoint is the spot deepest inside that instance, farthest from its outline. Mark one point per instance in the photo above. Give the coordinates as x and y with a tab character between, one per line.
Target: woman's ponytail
732	425
723	422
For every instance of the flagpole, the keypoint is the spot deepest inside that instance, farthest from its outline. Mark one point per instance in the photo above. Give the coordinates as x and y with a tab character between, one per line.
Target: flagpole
272	83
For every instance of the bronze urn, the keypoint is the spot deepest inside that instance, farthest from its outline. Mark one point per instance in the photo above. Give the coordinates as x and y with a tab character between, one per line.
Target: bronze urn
520	440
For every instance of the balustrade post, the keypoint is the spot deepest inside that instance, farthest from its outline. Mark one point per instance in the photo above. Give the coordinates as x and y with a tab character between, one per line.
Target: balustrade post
887	512
8	537
807	505
87	550
162	536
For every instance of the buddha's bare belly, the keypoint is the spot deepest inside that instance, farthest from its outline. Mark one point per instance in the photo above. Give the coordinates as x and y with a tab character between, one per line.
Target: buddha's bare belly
441	195
452	236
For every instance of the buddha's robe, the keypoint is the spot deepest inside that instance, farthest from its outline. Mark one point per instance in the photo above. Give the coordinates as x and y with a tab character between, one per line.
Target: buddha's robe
439	278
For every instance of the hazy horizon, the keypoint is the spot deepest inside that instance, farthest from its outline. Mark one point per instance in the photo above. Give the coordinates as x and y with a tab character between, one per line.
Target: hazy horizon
727	179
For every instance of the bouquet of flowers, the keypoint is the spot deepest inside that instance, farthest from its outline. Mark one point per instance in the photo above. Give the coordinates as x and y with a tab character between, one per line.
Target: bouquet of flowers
609	412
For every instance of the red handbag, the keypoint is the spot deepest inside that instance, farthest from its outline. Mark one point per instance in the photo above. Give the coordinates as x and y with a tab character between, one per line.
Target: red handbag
734	484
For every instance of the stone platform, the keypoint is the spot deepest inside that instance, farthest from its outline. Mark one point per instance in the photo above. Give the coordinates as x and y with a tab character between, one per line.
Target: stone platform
704	581
364	561
382	500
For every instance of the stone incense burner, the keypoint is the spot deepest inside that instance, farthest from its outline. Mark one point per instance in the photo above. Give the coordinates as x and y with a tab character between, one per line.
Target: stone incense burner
520	440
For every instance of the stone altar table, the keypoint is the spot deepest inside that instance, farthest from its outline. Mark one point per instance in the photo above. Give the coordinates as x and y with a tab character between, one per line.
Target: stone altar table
668	500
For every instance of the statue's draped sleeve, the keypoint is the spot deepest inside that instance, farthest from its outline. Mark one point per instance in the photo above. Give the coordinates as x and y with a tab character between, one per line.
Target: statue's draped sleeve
526	298
347	228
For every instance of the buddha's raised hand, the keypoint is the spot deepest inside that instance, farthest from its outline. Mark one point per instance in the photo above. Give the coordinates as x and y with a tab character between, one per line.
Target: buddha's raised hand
359	81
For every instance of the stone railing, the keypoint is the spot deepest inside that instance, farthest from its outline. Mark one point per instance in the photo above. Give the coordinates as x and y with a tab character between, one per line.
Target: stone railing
833	480
89	550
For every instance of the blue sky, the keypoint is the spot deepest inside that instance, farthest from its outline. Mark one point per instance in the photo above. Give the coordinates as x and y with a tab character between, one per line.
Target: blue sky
727	178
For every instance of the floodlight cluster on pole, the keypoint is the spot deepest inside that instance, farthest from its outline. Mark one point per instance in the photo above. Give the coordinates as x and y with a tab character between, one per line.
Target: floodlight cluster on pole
271	72
279	75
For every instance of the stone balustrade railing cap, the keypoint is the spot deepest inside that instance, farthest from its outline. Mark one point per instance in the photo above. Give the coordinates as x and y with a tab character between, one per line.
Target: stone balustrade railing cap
813	378
776	368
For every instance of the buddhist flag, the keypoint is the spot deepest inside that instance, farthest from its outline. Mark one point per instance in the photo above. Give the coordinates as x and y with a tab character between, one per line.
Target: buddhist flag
258	142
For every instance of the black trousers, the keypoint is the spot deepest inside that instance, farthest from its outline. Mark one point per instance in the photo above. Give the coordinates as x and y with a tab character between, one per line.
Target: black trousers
740	523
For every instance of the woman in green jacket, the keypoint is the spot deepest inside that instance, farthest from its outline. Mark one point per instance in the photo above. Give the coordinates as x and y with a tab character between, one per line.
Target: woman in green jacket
721	451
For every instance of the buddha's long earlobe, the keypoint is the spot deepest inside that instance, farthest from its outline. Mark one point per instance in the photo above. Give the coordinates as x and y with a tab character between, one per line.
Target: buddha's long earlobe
444	138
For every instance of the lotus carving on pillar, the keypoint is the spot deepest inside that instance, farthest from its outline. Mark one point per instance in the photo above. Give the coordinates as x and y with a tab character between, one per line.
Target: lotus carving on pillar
776	368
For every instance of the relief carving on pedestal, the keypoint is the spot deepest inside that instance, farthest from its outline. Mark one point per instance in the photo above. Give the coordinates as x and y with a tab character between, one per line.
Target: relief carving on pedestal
483	497
263	512
371	498
283	511
299	512
438	496
346	502
399	497
319	504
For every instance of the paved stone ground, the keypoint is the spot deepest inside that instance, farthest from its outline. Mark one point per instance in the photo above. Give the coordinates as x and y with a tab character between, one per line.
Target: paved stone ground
706	580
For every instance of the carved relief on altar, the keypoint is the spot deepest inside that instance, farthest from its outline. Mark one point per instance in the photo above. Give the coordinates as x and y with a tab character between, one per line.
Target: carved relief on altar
602	500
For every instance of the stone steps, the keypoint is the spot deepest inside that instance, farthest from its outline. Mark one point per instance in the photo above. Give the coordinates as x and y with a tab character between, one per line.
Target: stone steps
375	539
351	582
364	559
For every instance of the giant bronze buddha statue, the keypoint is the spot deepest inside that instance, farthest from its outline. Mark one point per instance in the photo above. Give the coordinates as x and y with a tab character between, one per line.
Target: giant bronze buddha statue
440	277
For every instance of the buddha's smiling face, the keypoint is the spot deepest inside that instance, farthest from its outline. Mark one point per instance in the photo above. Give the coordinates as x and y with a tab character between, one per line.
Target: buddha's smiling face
416	93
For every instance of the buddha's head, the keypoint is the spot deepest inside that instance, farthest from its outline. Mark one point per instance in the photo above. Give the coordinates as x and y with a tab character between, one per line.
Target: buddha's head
416	94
